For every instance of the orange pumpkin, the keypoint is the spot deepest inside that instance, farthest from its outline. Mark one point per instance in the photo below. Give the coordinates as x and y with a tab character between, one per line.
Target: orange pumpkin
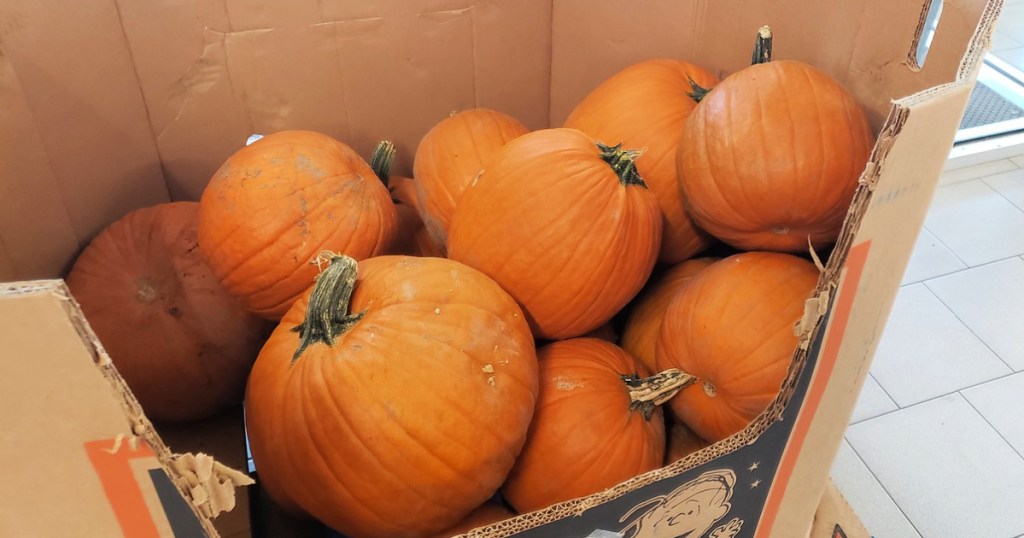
182	344
771	157
394	402
597	423
644	322
487	513
412	237
682	442
275	204
450	155
565	225
732	328
645	106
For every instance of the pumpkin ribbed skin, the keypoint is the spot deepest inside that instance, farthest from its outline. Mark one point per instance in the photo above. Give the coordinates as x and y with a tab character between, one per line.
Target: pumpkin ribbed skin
584	437
275	204
554	224
413	417
450	155
182	344
682	442
732	327
487	513
640	335
646	106
772	155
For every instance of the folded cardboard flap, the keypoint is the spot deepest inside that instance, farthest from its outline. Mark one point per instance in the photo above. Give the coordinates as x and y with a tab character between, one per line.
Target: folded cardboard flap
78	452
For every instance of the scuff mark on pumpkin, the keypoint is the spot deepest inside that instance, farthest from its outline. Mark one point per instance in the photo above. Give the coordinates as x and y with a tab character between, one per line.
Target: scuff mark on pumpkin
488	368
490	381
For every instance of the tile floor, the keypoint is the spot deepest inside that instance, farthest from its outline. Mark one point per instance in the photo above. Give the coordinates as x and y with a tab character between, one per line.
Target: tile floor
935	447
1008	41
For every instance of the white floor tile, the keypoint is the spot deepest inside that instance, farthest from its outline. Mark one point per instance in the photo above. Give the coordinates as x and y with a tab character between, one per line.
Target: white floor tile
946	468
976	171
874	507
1000	402
978	224
926	352
873	401
990	301
930	259
1001	41
1010	185
1018	160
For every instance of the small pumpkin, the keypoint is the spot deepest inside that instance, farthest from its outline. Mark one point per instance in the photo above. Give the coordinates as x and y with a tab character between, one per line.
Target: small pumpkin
393	399
645	106
485	514
275	204
732	328
772	155
412	237
682	442
565	224
182	344
597	423
450	155
640	333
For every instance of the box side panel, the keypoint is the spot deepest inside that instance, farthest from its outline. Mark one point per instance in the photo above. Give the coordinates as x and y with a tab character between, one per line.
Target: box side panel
866	45
360	72
89	123
922	135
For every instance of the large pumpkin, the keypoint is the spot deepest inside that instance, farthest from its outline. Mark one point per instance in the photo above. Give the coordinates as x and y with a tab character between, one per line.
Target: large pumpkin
450	155
645	106
182	344
273	205
412	237
771	157
640	333
597	423
485	514
564	224
393	403
732	328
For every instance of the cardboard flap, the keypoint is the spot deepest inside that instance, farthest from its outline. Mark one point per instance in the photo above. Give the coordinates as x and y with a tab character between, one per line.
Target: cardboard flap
105	468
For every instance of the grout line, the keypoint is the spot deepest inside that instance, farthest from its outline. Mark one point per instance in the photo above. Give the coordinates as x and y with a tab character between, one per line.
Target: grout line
990	425
969	328
968	267
881	485
943	243
1000	193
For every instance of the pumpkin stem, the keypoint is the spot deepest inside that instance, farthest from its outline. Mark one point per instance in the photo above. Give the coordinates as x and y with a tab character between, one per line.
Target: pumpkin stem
762	46
697	92
327	315
647	393
381	160
623	162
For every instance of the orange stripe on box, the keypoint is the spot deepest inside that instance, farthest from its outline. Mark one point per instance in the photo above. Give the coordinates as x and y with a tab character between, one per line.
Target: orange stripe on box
840	318
121	486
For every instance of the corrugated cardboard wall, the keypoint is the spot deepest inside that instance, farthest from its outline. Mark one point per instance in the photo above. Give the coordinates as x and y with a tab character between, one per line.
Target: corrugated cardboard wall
110	105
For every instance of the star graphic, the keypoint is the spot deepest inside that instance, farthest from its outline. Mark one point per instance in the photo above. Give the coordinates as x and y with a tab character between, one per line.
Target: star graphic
753	466
754	484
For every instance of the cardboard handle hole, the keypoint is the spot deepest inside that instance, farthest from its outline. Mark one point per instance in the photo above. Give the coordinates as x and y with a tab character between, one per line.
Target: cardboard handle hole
925	33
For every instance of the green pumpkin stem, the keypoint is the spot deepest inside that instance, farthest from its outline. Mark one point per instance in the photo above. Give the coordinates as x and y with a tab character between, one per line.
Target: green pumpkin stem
381	160
647	393
623	162
762	46
327	315
697	92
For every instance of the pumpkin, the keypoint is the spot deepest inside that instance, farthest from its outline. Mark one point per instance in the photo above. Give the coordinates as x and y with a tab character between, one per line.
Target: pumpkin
450	155
640	333
646	106
182	344
605	332
564	224
485	514
732	328
393	398
772	155
273	205
412	237
597	423
682	442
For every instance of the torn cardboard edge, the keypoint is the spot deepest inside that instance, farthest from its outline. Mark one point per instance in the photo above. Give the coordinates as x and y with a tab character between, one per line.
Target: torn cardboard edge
207	485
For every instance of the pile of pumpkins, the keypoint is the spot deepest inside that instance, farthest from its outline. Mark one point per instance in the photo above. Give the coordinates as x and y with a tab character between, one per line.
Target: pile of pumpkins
509	321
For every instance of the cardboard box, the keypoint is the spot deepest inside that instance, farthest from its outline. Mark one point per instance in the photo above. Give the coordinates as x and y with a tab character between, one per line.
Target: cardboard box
79	458
109	106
